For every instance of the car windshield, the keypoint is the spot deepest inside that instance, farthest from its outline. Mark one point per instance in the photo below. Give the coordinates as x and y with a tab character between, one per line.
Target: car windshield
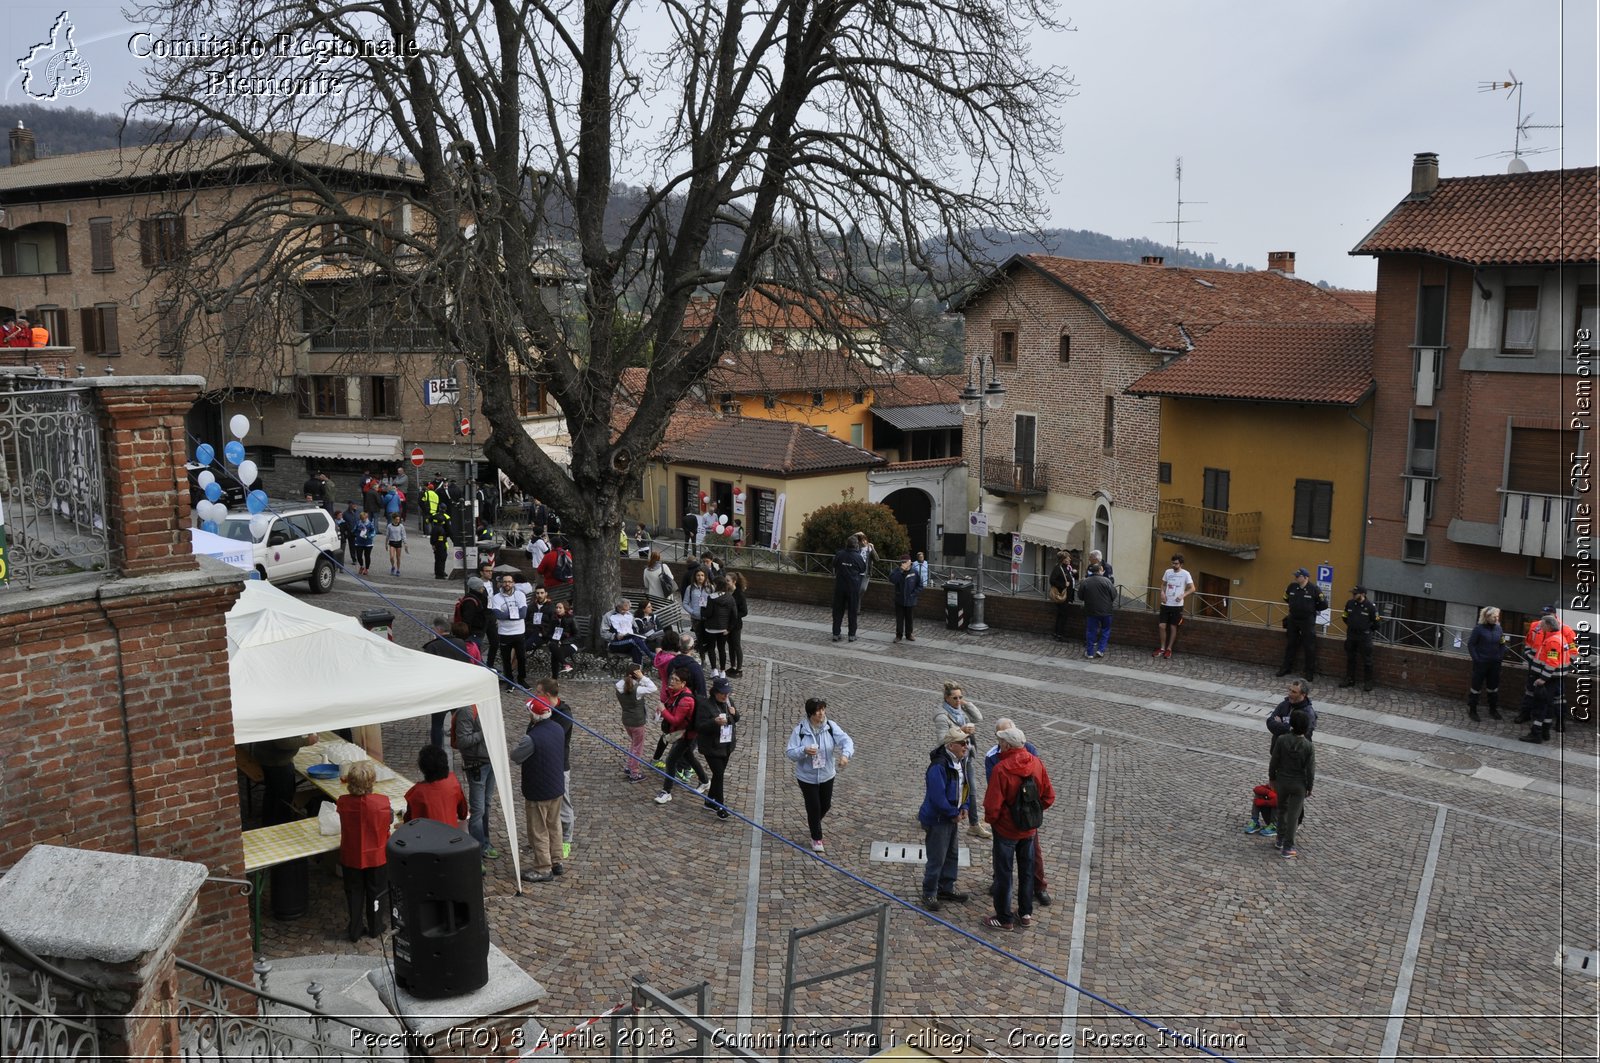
237	528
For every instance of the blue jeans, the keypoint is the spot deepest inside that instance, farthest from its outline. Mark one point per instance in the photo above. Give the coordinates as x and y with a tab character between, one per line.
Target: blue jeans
1096	633
480	793
1006	853
944	858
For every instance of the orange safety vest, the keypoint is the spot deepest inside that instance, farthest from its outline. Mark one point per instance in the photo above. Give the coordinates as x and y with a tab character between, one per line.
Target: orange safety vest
40	336
1552	651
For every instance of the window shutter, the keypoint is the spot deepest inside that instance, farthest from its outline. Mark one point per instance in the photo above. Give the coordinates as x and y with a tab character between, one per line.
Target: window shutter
108	329
1536	464
91	330
100	259
148	234
1322	510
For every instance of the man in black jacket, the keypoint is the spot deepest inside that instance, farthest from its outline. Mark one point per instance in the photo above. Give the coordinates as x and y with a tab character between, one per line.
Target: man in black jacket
1305	602
848	569
1360	621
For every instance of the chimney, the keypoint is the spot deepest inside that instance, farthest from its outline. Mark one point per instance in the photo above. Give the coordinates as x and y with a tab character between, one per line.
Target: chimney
1424	173
22	147
1282	261
1151	260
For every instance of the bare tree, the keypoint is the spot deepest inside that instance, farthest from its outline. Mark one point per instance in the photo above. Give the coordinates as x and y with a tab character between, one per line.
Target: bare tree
848	150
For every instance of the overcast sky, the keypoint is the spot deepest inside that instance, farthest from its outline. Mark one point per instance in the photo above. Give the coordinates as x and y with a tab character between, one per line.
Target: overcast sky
1296	122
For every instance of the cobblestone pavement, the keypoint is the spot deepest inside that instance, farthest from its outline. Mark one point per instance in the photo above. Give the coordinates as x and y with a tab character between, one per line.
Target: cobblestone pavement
1443	868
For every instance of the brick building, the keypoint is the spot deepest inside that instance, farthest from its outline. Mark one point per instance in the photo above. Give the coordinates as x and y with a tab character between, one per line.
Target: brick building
101	247
1484	286
1072	454
113	644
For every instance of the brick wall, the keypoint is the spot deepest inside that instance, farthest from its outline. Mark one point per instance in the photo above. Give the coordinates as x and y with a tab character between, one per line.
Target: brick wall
122	737
1432	673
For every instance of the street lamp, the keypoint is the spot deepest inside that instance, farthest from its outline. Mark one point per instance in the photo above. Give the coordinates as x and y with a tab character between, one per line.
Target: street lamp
975	403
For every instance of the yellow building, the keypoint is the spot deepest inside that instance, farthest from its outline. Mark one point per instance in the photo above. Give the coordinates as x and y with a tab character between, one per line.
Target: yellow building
1265	443
767	475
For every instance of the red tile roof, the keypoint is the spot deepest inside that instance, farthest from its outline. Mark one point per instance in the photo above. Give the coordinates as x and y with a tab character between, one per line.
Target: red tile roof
892	390
1514	219
1364	301
764	372
773	307
1171	307
755	445
1277	362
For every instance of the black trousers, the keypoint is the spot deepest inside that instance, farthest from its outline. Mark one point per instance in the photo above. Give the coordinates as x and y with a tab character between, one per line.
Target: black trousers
681	756
1061	619
1302	633
1485	679
905	617
512	652
736	648
819	798
441	547
365	896
1356	646
279	783
846	599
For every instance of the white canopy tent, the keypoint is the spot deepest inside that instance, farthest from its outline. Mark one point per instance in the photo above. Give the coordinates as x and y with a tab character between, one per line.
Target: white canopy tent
296	669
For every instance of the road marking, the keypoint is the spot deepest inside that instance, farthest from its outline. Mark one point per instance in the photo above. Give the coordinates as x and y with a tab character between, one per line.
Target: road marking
911	853
1408	963
752	890
1080	912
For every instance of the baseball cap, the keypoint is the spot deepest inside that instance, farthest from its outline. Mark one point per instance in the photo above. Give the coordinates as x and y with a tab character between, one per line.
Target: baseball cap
1548	610
1358	590
720	685
1301	572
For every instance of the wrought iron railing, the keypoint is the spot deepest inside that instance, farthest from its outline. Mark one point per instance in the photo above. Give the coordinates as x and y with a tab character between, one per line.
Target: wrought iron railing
213	1025
46	1013
1005	476
1199	526
391	338
52	485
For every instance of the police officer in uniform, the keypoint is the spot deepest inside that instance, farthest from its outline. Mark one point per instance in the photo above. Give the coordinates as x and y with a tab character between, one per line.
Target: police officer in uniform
1305	602
439	536
1360	621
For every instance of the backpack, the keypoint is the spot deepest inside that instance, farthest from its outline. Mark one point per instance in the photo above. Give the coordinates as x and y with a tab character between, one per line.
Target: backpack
564	566
456	617
1027	813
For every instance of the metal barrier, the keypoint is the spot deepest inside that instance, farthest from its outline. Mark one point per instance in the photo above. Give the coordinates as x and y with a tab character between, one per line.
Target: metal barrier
52	485
46	1013
209	1028
632	1038
870	1033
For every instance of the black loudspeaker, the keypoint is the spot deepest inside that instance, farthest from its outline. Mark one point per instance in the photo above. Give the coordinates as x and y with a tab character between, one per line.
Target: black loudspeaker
441	937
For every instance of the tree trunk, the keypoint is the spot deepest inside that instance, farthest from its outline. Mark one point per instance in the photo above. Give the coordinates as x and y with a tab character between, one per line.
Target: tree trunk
597	579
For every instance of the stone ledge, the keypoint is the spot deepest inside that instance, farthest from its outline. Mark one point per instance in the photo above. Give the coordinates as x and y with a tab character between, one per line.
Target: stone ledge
510	991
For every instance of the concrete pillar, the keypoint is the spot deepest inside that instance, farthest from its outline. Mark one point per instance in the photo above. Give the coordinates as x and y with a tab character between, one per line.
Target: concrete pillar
114	920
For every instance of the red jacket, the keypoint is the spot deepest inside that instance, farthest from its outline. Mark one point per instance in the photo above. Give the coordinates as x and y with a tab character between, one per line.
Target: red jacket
364	829
678	711
547	567
1004	782
441	800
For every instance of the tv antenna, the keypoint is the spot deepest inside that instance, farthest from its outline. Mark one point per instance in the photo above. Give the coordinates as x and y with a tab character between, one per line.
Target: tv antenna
1177	221
1525	124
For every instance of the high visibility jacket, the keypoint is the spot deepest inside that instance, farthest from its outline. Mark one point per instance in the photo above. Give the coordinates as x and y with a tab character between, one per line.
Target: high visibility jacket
430	502
39	336
1550	653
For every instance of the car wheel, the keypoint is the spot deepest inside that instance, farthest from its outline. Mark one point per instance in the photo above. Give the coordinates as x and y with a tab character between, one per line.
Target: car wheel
322	577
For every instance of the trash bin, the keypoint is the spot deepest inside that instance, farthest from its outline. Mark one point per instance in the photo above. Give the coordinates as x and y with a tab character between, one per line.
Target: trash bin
378	621
957	603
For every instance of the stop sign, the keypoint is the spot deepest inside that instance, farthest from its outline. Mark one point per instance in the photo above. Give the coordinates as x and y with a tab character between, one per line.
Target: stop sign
416	456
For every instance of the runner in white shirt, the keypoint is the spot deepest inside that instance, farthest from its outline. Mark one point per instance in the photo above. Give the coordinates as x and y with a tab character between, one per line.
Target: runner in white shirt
1176	586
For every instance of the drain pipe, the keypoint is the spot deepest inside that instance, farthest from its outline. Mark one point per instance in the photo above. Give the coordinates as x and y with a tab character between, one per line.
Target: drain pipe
1366	486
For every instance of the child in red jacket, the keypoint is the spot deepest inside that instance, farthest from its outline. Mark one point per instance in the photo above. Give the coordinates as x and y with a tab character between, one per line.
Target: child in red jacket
364	819
1264	811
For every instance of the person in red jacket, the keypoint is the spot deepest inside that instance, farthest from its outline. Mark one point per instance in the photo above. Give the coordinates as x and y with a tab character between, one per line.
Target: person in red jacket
438	796
1013	843
556	566
364	819
677	714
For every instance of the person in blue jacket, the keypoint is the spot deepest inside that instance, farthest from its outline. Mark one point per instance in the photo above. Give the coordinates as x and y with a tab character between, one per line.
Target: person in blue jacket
819	748
947	789
908	584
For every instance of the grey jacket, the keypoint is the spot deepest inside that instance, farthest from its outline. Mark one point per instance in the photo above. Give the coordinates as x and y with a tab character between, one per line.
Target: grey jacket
1099	595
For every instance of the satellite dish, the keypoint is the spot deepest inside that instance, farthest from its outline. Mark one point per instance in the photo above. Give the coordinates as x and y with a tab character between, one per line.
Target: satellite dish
1516	166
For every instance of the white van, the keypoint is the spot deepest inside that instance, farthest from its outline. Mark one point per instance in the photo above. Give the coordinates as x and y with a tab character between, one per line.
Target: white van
296	544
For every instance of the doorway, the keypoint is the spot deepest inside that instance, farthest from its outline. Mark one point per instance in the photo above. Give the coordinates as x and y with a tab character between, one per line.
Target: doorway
1213	592
913	507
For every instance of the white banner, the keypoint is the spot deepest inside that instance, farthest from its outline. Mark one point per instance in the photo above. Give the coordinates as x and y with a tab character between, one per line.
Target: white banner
777	523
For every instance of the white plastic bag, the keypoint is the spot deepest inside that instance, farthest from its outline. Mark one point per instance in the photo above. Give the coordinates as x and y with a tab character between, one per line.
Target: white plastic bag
328	820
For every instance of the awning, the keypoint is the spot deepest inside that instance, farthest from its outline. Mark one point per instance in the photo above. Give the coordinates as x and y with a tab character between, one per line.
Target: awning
917	418
356	446
1050	529
1002	518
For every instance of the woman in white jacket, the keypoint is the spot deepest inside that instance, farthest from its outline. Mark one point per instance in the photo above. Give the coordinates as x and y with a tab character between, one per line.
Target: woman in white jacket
819	748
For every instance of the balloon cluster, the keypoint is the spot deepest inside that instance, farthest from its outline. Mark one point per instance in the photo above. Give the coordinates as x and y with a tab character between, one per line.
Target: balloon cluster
210	509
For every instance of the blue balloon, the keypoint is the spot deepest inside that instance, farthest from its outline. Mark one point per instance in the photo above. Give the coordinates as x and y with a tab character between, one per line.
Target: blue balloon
213	492
234	452
256	501
204	454
208	525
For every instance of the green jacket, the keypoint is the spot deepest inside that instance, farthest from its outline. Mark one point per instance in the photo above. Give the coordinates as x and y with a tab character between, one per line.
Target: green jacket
1294	762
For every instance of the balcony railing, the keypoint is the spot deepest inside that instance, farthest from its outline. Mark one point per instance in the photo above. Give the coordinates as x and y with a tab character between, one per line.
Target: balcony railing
1538	525
1238	534
1002	476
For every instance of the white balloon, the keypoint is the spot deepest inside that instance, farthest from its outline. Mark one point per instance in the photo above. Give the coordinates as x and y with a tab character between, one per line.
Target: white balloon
205	479
239	425
247	472
259	524
216	511
723	519
202	509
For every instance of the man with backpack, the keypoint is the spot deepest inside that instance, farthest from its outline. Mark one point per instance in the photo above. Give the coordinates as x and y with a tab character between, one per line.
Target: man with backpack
1041	887
1019	792
556	567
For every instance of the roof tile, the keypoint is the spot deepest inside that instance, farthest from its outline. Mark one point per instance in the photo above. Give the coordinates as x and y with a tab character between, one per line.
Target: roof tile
1319	363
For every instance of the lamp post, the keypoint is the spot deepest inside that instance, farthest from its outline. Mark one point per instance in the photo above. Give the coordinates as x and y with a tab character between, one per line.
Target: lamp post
976	403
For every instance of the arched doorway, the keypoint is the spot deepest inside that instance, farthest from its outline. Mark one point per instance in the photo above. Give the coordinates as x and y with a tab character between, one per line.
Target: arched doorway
1102	529
913	507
